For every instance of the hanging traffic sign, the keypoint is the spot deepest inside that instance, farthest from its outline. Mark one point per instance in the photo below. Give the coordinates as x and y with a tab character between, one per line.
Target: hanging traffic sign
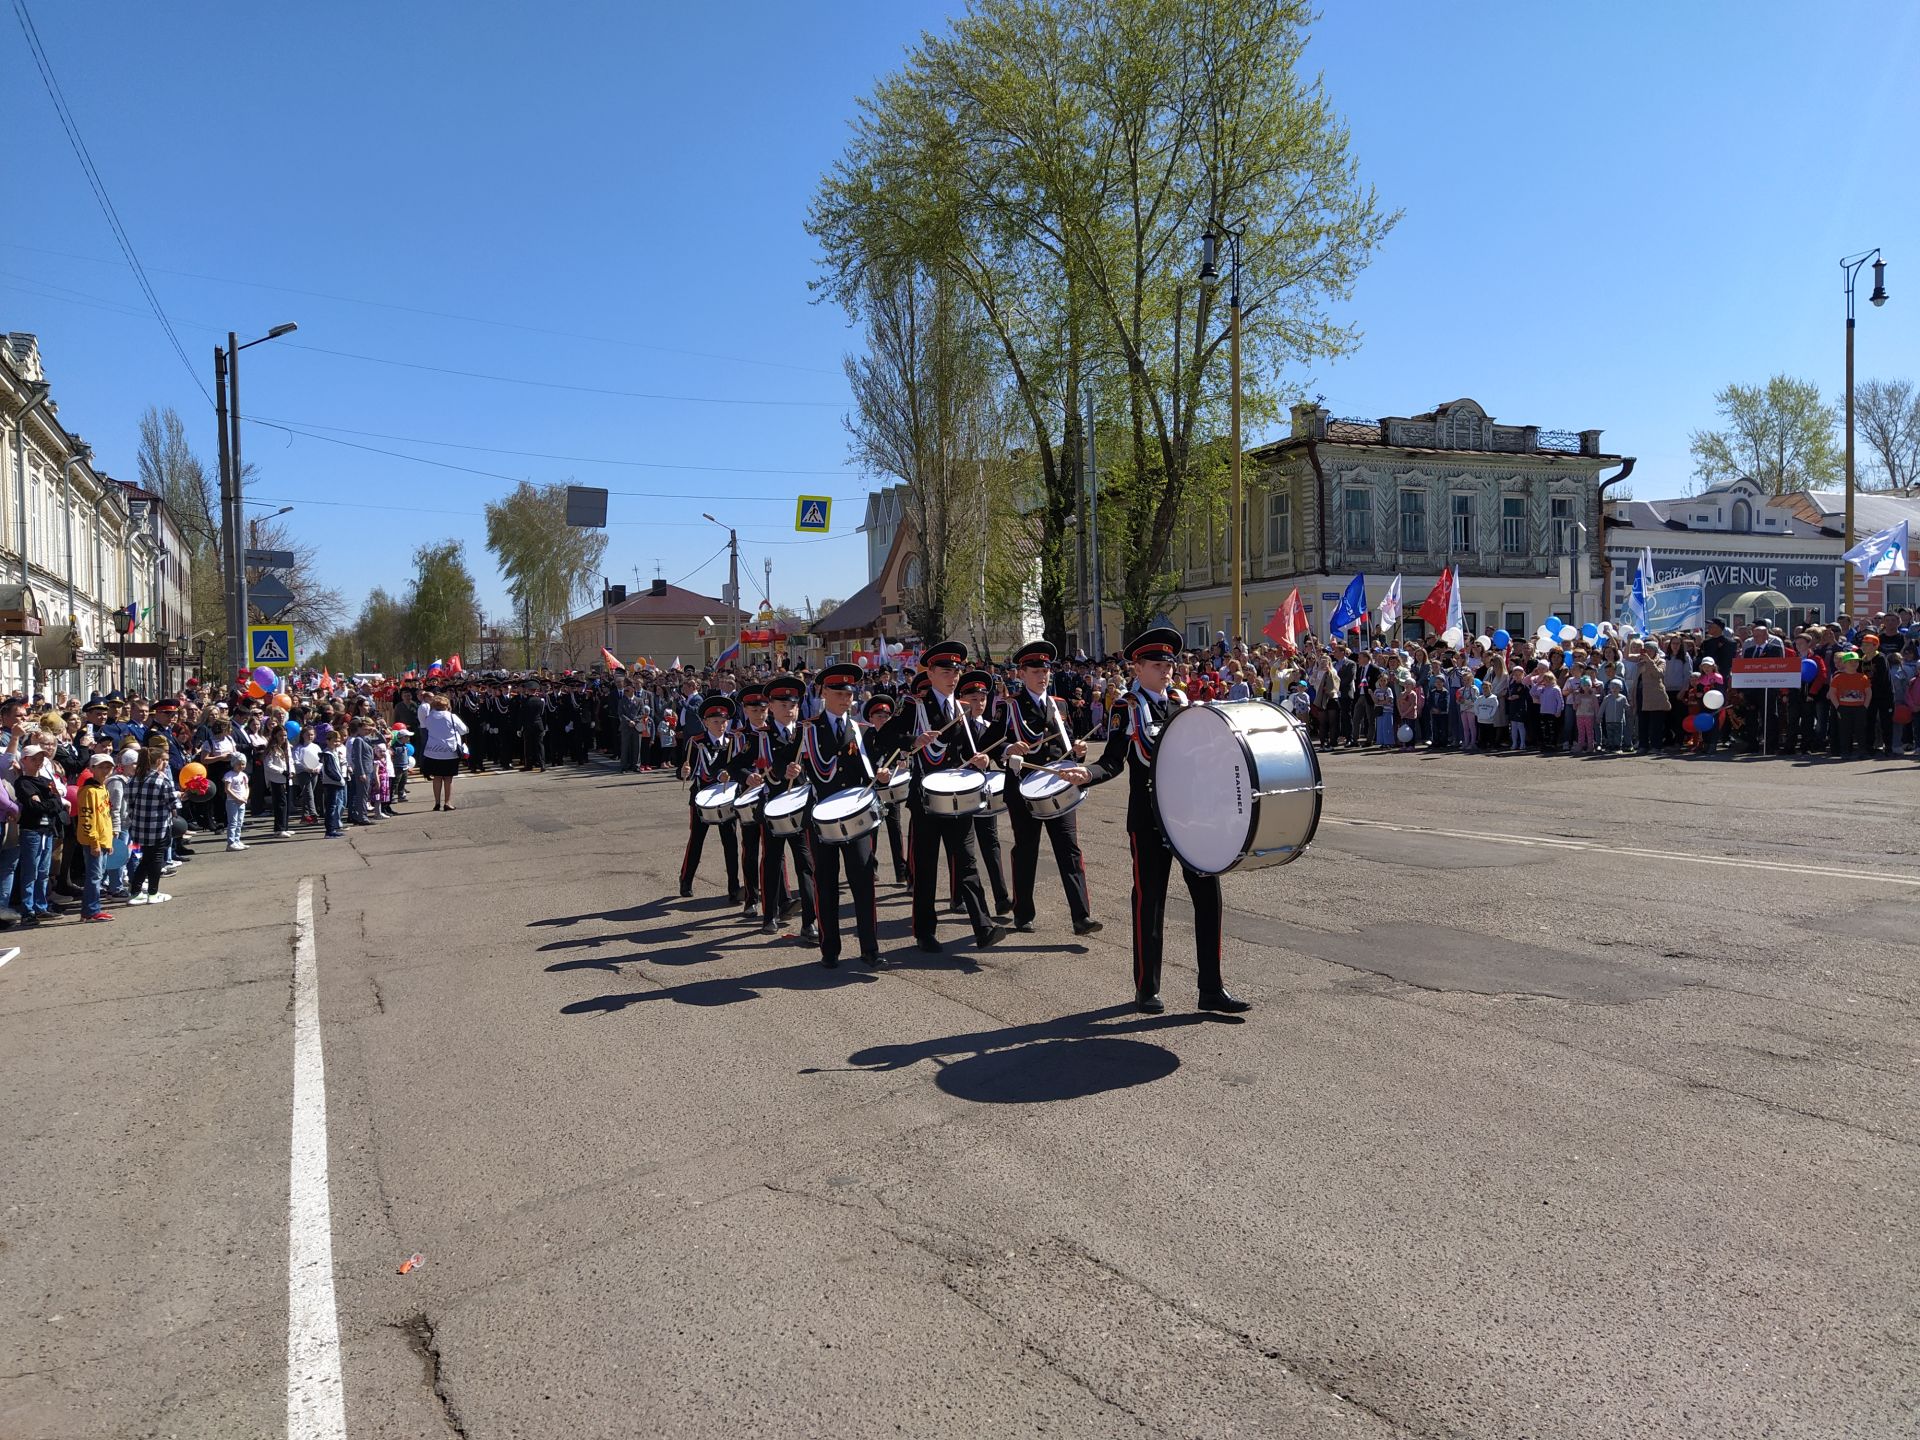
271	646
812	514
270	596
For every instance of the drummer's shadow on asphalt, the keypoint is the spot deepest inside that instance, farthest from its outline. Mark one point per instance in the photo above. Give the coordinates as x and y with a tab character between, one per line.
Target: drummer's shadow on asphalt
1067	1058
717	909
806	974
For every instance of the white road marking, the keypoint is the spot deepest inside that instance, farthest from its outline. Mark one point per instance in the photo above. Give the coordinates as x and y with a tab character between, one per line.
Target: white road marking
1561	842
8	953
316	1399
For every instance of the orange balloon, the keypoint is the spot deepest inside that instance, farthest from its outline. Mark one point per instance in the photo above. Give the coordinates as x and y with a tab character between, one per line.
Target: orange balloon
282	701
254	692
193	770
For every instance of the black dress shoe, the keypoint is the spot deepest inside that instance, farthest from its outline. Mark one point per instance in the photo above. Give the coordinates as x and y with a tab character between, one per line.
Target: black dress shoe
769	927
830	962
1025	927
902	878
1089	926
790	909
1149	1002
992	935
733	895
752	911
932	947
686	891
809	935
1225	1002
874	962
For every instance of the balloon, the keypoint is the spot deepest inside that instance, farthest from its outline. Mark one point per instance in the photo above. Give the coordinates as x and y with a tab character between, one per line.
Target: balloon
1590	631
1500	640
1405	732
1552	625
254	692
283	701
266	679
193	770
1713	699
1705	722
293	729
1452	638
1809	670
1567	634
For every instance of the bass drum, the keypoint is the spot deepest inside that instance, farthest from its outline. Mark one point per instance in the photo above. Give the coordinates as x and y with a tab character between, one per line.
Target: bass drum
1237	786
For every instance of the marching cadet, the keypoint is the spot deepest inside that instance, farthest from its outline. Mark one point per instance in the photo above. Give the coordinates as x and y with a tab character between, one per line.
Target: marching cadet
753	718
1142	713
878	712
709	754
940	742
779	748
833	758
1037	735
974	689
531	716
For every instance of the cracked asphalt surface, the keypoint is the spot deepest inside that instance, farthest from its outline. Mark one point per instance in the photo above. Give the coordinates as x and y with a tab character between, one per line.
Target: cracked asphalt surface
1542	1127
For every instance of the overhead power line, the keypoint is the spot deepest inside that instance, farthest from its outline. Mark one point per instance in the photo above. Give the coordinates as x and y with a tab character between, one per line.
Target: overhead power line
99	188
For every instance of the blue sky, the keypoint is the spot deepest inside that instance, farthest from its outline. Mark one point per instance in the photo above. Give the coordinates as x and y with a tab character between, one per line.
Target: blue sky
1611	211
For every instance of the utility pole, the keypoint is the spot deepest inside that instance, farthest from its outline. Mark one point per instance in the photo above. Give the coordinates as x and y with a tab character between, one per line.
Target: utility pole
1097	626
236	632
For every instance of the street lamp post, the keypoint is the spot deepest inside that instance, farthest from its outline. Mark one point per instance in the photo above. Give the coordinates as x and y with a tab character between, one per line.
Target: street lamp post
226	377
1850	265
732	597
1210	275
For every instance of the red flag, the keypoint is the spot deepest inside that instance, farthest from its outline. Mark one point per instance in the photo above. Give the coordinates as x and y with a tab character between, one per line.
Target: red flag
1289	622
1441	608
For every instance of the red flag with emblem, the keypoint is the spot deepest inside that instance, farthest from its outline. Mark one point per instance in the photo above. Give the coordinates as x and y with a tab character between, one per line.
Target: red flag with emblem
1289	622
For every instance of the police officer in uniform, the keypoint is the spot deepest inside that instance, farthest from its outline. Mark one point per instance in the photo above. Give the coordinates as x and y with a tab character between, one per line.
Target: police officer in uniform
1035	723
779	749
1143	712
879	713
708	757
753	718
943	741
833	758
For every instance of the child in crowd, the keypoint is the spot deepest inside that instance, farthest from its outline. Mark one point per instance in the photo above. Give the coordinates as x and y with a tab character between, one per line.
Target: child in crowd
400	750
1851	693
93	829
1613	717
1586	716
238	789
276	772
333	781
306	773
1552	702
1440	709
113	876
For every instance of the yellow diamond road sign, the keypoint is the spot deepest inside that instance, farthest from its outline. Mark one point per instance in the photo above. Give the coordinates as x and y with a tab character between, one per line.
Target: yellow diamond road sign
812	514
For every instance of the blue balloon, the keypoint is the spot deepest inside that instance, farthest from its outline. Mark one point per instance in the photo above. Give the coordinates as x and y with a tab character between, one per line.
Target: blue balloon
1501	640
1554	623
293	729
1704	721
1809	670
1589	631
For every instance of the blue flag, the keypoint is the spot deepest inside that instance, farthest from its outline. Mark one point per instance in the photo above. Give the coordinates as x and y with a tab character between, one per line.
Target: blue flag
1351	612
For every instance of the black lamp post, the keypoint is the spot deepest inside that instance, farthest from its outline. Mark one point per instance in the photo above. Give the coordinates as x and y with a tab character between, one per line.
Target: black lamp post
226	381
1851	266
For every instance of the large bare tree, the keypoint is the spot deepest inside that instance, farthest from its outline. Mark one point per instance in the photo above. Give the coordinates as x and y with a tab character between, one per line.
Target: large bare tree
1887	417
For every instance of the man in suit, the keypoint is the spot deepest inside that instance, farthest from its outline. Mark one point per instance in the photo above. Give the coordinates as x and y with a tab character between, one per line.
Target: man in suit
1148	705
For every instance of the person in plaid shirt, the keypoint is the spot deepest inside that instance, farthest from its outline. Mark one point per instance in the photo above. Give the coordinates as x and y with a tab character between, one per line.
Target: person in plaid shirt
151	802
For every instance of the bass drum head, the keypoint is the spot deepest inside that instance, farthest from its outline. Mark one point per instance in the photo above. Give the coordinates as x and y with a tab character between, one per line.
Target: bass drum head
1203	789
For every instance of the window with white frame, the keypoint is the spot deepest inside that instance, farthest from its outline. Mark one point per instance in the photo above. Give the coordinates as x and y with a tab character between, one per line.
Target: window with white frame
1903	593
1462	513
1413	521
1562	524
1198	637
1513	524
1279	523
1357	507
1515	622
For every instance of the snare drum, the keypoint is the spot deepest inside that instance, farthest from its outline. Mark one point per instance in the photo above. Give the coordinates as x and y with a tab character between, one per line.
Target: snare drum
896	790
746	805
786	813
847	815
1236	786
953	792
1047	795
996	801
715	802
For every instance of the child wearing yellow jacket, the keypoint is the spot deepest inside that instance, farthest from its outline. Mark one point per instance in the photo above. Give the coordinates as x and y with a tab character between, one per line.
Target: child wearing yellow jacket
94	831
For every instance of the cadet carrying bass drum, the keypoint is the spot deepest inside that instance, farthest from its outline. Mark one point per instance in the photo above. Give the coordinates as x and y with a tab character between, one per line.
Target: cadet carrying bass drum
1237	786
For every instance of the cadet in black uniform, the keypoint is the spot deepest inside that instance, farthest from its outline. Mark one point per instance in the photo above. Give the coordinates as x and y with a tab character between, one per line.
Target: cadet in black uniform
532	716
937	748
833	758
973	691
1145	709
753	717
1036	727
881	744
708	757
779	749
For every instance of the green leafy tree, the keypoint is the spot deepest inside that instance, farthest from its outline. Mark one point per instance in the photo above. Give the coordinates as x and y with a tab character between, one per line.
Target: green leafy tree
443	606
1059	159
549	565
1779	435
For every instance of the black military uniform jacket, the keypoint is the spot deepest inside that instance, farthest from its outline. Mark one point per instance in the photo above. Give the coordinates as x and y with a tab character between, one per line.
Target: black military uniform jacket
710	761
952	750
777	751
1029	722
833	762
1130	745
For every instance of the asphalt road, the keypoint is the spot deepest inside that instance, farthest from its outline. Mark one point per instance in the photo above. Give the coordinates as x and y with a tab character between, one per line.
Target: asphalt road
1578	1101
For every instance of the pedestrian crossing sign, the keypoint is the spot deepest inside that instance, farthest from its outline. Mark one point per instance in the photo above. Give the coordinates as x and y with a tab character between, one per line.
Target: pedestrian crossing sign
812	514
271	646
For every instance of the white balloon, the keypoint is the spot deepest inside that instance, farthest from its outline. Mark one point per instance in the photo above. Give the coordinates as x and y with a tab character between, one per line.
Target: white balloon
1568	634
1713	700
1452	638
